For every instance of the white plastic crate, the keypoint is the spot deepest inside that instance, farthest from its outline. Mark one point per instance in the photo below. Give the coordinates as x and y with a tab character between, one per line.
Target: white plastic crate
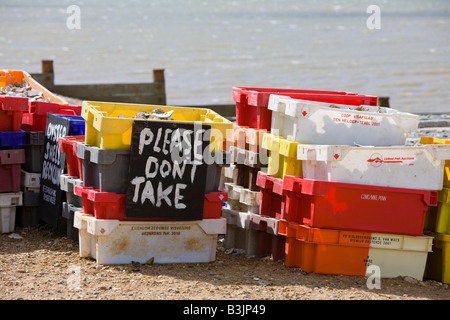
121	242
8	204
334	124
30	181
414	167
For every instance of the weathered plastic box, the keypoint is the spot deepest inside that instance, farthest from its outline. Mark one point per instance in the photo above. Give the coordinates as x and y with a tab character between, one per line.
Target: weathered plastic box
252	103
67	184
438	262
26	214
104	169
349	206
8	203
249	158
416	167
272	197
242	199
214	170
343	252
106	130
431	140
12	139
35	119
34	151
11	109
255	235
443	212
68	145
337	124
30	181
10	169
282	156
121	242
239	235
270	242
68	213
246	138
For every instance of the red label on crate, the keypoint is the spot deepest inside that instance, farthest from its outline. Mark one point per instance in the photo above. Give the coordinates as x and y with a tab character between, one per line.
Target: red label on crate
357	119
377	160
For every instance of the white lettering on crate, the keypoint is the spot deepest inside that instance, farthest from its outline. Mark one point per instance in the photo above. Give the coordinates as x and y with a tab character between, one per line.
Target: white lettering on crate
375	197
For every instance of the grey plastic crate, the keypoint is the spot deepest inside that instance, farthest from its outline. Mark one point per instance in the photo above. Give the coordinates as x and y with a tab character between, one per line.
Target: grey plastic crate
30	199
104	169
214	171
34	151
67	184
27	216
68	212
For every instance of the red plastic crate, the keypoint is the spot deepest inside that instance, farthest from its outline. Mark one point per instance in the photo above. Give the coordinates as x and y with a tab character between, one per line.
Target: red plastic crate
111	205
347	206
272	195
252	103
10	169
213	203
68	145
11	109
35	118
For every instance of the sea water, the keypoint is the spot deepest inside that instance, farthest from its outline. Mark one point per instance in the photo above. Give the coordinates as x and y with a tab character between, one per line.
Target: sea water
207	47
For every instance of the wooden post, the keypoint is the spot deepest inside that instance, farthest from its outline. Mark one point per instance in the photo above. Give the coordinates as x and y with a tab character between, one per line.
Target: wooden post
158	75
47	66
383	102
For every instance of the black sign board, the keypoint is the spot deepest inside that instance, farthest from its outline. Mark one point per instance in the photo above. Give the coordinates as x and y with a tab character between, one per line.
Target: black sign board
167	170
53	165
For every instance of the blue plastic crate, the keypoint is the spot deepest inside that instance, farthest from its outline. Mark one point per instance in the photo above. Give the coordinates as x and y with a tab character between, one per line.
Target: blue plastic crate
77	124
12	140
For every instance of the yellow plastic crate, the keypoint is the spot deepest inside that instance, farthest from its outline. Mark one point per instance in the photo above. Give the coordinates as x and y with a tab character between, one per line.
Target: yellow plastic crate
443	212
430	140
438	261
104	129
283	156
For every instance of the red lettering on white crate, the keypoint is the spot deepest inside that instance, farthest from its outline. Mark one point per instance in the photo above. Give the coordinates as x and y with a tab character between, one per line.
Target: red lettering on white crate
377	160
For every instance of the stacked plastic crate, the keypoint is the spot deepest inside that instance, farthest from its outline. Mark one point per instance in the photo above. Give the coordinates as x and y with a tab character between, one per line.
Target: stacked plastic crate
437	225
252	226
23	120
362	199
105	233
12	156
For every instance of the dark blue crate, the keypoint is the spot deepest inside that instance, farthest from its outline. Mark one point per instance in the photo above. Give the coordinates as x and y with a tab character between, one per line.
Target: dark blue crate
12	140
77	124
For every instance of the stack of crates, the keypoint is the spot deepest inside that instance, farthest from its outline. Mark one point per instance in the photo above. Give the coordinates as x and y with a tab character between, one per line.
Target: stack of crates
437	225
362	197
22	122
105	233
12	153
257	151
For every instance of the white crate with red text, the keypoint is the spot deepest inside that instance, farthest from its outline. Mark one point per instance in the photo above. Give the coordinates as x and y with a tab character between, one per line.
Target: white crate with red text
313	122
413	167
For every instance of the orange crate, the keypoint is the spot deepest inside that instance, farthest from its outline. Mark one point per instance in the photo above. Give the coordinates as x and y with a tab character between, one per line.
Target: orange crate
344	252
